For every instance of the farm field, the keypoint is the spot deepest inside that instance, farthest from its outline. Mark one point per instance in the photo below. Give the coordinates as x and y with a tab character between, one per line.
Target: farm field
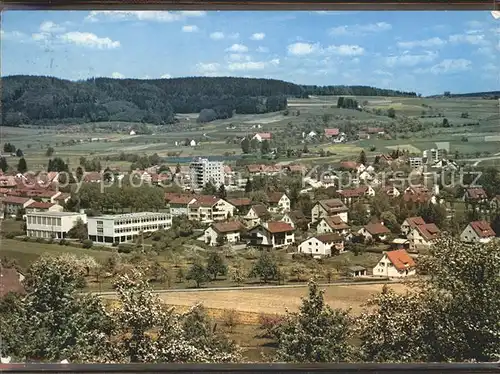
217	138
278	300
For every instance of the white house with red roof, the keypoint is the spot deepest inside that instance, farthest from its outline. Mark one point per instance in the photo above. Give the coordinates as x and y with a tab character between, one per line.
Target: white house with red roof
261	136
410	223
333	224
275	234
477	232
278	202
374	231
322	245
223	232
395	264
208	209
14	204
423	236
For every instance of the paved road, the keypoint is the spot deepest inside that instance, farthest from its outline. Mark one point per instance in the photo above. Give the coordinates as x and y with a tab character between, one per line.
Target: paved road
480	159
336	283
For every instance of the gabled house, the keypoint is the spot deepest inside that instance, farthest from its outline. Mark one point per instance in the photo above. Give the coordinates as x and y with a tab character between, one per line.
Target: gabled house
278	202
410	223
256	169
39	206
296	219
329	208
261	136
477	232
178	203
351	195
391	191
242	205
63	198
495	203
423	236
349	165
332	133
92	177
322	245
376	232
332	225
223	232
208	209
475	195
395	264
273	234
256	214
13	205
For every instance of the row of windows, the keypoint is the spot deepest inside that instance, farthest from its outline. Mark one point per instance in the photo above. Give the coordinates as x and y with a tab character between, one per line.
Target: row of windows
140	228
130	221
48	221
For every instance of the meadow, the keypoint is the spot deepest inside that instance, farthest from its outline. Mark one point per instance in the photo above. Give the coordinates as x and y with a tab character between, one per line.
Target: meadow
218	138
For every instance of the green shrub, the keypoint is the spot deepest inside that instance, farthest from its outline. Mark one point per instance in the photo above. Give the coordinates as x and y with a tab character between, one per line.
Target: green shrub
87	243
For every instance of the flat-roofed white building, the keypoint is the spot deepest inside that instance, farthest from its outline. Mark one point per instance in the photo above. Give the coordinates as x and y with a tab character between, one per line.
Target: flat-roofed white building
121	228
52	224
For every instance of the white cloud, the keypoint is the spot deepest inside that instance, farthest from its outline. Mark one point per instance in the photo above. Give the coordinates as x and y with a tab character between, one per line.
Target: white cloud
407	59
166	76
145	15
217	35
189	28
432	42
474	39
12	35
474	24
238	48
346	50
262	49
447	66
258	36
117	75
211	67
369	28
87	39
238	57
252	65
302	49
382	72
51	27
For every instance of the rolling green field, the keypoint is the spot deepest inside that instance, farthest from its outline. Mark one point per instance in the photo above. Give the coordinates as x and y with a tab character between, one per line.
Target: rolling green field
216	139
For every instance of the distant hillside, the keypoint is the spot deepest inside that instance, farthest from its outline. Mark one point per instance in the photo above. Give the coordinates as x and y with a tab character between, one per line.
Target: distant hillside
489	95
46	101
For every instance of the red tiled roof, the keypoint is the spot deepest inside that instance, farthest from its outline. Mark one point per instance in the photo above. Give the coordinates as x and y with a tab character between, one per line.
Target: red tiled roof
275	197
16	200
62	196
482	229
174	198
336	223
239	202
429	231
333	205
377	229
329	238
400	259
374	130
278	226
354	192
224	227
92	177
331	132
476	193
296	168
415	221
259	209
40	205
417	197
264	135
205	201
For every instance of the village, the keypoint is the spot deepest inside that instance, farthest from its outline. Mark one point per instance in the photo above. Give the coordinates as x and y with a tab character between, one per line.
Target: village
395	205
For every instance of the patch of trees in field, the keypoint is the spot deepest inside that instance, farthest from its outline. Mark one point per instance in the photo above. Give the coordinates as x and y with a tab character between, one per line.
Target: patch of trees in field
356	91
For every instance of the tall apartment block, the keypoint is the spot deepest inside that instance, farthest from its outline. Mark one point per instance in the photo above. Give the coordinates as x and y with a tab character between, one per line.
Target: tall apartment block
203	171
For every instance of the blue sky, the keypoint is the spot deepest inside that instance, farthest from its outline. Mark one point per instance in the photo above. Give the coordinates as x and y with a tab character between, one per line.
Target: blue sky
426	52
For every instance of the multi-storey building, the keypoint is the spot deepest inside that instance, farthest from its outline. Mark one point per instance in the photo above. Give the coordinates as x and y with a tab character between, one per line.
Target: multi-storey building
52	224
121	228
203	171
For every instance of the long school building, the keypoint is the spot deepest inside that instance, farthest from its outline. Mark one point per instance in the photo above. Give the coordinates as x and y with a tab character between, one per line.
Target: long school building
121	228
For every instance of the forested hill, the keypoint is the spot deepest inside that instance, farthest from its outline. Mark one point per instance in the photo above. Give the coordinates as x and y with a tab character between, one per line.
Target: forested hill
486	95
37	100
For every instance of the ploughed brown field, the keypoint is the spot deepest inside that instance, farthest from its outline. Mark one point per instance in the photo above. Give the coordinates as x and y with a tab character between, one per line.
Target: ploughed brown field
270	301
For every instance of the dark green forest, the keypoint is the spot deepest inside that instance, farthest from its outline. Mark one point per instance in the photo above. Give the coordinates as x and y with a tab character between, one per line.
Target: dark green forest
45	101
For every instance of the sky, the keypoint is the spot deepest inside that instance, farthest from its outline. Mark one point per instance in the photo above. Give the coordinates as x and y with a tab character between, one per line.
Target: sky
425	52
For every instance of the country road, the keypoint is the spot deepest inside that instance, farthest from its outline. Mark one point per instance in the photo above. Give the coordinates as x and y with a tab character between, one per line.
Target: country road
480	159
212	289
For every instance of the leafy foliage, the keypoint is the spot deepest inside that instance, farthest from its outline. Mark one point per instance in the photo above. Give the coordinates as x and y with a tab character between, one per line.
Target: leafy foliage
316	333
